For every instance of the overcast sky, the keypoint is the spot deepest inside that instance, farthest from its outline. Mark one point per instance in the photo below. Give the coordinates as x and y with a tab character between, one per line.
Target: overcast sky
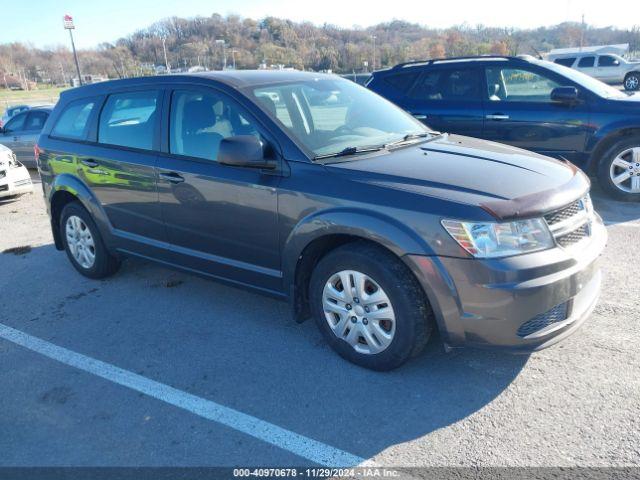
40	21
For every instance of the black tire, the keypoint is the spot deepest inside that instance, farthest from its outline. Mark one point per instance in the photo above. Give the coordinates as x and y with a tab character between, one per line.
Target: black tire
632	81
105	264
414	319
604	166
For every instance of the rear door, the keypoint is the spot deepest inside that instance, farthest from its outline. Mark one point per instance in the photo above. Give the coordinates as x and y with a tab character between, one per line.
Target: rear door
519	111
448	99
121	168
219	219
587	65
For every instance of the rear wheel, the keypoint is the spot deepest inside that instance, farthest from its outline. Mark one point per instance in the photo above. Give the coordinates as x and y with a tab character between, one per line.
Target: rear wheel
619	170
632	81
83	243
369	307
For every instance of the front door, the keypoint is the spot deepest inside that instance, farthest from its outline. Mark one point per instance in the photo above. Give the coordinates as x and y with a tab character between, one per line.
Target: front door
219	219
28	138
519	111
448	100
12	134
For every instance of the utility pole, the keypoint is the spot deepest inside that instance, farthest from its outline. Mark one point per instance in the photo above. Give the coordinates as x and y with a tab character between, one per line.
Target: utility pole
64	77
373	65
166	61
224	53
68	25
582	33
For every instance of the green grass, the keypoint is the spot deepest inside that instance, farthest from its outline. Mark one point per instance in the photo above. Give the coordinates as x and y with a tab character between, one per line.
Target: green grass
31	97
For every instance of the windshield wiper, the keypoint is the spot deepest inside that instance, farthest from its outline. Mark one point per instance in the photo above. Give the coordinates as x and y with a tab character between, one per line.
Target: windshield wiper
415	136
350	151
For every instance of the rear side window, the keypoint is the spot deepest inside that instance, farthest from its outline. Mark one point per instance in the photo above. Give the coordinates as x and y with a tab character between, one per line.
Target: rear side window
402	81
128	119
587	62
74	120
566	62
36	120
450	85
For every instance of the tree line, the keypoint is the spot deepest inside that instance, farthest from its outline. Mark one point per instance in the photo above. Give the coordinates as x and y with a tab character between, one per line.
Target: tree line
217	41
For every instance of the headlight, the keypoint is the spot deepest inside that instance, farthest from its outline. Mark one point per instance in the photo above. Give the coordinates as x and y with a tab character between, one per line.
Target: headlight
491	239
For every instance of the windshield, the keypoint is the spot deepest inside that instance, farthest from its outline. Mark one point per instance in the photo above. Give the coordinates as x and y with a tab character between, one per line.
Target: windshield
596	86
328	115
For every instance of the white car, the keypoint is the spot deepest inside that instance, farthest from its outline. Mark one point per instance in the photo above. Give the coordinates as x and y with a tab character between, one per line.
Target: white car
14	177
607	67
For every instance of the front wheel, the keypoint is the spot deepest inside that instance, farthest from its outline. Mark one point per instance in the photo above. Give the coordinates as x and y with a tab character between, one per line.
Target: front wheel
632	81
369	307
619	170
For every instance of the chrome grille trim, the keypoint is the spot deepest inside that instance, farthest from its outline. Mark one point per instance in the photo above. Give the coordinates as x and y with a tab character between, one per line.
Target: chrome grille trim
571	224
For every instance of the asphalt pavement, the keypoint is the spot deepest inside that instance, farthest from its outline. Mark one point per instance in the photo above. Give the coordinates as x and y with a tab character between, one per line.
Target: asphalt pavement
154	367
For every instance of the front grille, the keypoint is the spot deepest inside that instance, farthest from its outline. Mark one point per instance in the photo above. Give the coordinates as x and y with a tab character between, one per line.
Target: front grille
572	223
537	323
4	188
564	213
20	183
573	237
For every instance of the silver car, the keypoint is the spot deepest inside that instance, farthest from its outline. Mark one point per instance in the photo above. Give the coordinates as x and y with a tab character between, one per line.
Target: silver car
21	133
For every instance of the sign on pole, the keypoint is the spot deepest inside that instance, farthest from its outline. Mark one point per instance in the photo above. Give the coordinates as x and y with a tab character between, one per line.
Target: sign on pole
68	22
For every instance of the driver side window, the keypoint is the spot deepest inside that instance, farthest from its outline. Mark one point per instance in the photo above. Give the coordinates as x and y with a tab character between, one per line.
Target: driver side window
16	124
200	120
518	85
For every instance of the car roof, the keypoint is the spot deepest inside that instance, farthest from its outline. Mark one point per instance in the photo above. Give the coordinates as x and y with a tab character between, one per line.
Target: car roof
237	79
457	60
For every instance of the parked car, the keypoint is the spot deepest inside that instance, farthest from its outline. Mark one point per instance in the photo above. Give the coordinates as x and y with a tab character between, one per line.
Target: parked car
14	177
21	133
359	216
609	68
12	111
532	104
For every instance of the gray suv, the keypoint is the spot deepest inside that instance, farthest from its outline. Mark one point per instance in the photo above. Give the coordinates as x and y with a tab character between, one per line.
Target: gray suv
312	189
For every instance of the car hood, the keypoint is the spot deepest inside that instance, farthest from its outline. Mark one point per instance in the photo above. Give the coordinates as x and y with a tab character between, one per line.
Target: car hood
506	181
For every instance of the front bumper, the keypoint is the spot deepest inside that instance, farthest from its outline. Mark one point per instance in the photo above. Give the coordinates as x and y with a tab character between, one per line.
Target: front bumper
520	303
14	181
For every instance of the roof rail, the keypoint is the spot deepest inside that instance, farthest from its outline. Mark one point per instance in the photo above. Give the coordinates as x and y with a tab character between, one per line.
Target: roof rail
446	59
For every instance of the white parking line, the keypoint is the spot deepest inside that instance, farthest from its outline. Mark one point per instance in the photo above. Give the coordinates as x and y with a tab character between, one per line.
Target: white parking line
305	447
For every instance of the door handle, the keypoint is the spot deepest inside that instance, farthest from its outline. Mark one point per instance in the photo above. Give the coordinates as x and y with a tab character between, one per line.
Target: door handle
171	177
89	162
15	139
497	116
419	116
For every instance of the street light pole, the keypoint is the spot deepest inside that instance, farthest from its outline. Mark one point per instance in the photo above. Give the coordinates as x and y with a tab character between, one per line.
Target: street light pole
373	65
68	25
166	60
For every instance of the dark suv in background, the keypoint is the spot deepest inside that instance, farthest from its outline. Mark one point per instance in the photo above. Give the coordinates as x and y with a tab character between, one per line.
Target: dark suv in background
313	189
528	103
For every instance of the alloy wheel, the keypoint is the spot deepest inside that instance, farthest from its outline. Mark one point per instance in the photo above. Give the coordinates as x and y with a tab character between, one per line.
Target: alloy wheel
625	170
359	311
631	82
80	242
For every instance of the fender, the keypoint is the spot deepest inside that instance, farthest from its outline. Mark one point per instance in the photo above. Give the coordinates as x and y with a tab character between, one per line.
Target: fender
366	224
73	185
603	135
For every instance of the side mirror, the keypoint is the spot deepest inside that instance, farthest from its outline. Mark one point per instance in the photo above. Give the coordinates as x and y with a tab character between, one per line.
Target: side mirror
564	94
244	151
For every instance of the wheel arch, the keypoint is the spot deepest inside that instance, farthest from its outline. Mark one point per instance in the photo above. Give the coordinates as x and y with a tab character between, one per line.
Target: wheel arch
66	189
608	140
317	235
